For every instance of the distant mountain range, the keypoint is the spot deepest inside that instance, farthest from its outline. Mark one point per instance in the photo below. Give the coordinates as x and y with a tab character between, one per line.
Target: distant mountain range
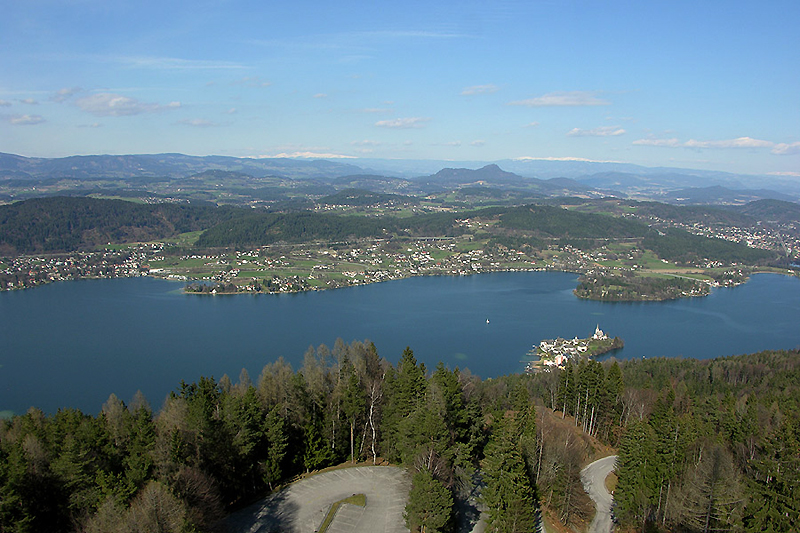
530	178
165	165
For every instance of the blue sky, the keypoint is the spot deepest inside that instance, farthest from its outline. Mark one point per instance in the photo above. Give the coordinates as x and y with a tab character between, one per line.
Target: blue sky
698	84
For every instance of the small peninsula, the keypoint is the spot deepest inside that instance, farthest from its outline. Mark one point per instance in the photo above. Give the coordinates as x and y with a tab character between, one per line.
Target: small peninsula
555	353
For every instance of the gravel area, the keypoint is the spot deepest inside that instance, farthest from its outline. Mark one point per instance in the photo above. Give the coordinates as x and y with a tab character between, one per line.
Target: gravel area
302	506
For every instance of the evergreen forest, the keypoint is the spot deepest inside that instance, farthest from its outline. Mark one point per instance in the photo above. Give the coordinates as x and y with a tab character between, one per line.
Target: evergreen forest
703	445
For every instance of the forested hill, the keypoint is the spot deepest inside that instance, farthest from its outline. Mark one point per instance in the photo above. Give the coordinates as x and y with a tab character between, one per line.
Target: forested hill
267	228
63	224
708	445
67	224
556	222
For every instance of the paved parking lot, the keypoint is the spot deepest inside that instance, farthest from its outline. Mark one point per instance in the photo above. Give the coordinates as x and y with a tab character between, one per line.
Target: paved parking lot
302	506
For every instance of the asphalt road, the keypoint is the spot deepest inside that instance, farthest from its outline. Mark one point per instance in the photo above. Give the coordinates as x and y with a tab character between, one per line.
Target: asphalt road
594	477
302	506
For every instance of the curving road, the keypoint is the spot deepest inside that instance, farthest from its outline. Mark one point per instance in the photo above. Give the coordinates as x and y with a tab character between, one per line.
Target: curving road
594	478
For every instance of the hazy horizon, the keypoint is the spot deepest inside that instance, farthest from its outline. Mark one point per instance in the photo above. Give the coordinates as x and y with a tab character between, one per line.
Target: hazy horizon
707	86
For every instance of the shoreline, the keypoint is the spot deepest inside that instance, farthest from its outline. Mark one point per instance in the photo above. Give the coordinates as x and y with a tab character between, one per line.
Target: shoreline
304	287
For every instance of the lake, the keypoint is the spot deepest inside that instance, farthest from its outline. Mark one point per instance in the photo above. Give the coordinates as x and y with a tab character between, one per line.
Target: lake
71	344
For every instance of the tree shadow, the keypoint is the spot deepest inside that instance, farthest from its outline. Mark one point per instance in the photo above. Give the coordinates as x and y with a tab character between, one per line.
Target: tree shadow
274	514
468	505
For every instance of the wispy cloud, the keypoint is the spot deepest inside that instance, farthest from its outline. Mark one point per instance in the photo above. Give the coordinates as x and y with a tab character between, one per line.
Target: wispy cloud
738	143
741	142
563	99
198	123
786	149
353	47
252	81
366	142
669	143
320	95
65	94
117	105
5	103
478	142
787	173
312	155
406	34
174	63
582	159
403	123
24	120
29	101
480	89
603	131
377	110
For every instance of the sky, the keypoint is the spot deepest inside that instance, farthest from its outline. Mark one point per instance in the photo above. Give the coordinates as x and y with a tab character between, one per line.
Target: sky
694	84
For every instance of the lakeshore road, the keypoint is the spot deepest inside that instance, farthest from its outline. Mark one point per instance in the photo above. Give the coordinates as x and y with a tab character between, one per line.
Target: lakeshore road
594	477
301	507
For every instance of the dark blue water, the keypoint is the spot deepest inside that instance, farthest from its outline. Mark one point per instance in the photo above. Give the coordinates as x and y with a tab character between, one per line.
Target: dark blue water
72	344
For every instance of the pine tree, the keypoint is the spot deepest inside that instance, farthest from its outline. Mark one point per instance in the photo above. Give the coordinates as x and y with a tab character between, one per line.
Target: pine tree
635	493
776	483
276	444
509	495
405	388
430	504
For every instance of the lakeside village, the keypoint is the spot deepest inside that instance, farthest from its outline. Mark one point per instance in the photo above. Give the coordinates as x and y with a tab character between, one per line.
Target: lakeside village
557	352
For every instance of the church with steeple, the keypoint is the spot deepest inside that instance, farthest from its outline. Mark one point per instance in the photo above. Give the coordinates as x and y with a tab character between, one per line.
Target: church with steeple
598	334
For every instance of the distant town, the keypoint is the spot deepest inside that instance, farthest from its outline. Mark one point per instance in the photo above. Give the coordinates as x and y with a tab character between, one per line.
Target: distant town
318	266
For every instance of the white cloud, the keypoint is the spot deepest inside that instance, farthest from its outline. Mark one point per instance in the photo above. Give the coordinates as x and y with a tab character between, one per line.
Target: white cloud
670	143
603	131
478	142
403	123
453	144
480	89
116	105
561	99
786	149
65	93
531	124
198	123
5	103
231	111
376	110
92	125
320	95
29	101
741	142
25	120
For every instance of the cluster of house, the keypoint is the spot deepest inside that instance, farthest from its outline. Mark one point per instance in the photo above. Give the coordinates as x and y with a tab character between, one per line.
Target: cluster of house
557	352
